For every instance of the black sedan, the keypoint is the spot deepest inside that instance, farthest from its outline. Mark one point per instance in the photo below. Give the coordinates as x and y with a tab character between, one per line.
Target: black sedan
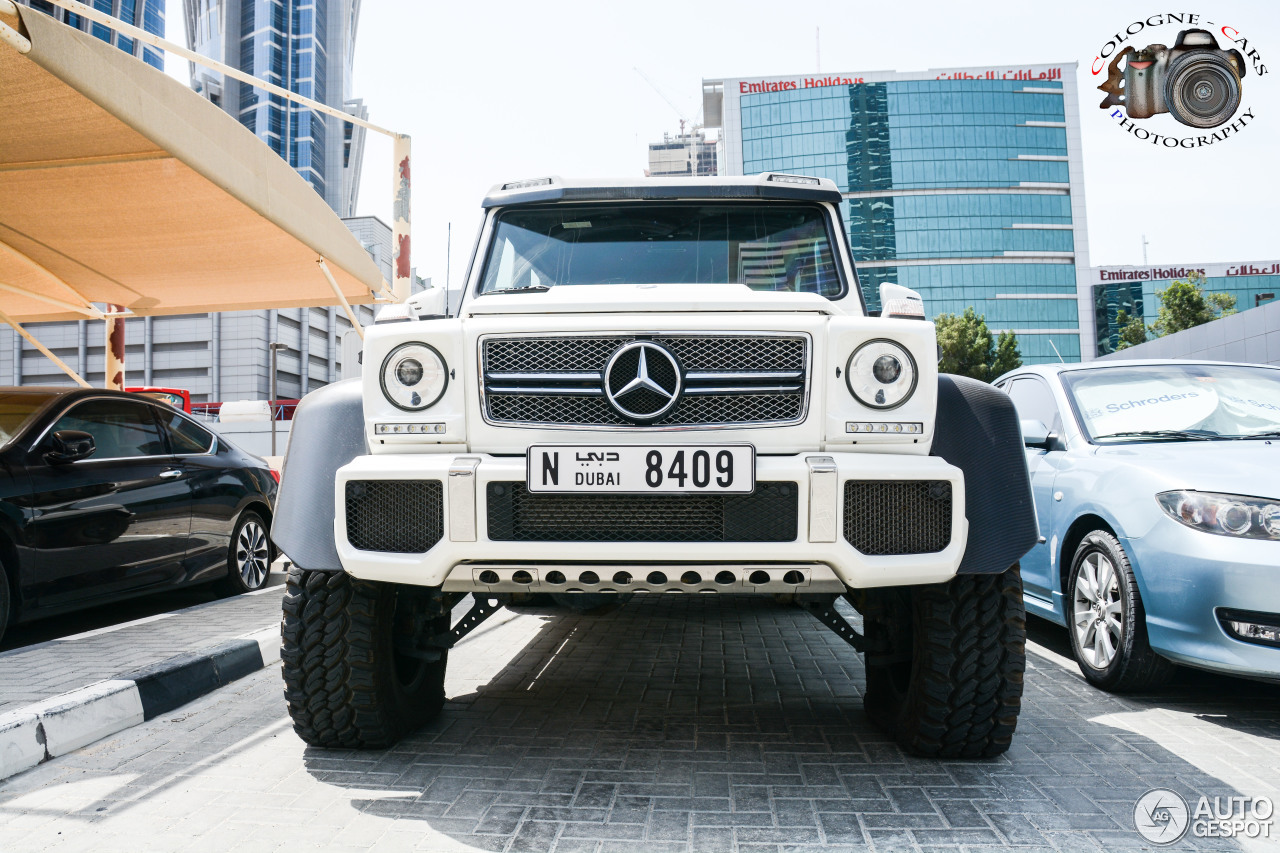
106	495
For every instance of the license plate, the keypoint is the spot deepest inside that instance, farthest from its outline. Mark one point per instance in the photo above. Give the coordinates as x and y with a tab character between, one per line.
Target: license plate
636	469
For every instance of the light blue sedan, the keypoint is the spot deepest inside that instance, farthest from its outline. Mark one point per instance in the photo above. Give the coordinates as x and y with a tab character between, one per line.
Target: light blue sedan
1157	487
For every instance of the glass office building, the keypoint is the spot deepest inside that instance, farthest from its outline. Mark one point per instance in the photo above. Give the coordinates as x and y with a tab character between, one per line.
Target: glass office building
305	46
964	184
144	14
1134	290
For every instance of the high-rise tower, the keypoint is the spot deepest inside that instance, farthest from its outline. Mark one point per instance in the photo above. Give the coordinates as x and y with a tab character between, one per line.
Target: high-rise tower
144	14
305	46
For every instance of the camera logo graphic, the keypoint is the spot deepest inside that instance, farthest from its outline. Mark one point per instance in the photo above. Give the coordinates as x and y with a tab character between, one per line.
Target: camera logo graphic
1195	81
1161	816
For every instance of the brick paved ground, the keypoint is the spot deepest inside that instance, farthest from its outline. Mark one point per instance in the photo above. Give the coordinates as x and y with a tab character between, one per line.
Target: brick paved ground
674	724
48	669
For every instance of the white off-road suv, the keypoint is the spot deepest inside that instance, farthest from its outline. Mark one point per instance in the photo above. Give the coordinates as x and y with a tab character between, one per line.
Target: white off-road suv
655	386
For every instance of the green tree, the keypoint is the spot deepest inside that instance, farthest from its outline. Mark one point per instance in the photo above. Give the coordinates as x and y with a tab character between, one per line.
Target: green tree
1185	305
1132	330
969	350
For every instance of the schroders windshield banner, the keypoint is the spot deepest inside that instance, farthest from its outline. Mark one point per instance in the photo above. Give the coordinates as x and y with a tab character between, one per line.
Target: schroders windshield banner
1146	404
1178	79
1221	400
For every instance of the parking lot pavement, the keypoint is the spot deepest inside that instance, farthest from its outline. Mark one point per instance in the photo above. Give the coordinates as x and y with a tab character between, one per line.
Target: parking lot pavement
676	723
42	671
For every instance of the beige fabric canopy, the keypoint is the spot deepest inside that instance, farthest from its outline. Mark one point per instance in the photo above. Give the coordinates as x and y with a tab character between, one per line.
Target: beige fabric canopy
119	185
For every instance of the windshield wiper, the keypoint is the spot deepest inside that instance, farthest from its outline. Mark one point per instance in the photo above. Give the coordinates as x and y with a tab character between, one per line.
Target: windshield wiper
533	288
1194	434
1275	433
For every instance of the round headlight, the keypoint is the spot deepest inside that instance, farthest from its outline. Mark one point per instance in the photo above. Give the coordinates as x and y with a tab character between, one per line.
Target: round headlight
1235	518
414	376
1270	518
409	372
881	374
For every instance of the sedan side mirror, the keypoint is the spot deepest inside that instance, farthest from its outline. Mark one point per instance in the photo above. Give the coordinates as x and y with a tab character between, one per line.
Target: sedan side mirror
1036	434
70	445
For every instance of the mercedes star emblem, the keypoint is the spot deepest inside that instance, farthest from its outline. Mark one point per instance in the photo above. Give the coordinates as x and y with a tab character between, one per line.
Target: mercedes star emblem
643	381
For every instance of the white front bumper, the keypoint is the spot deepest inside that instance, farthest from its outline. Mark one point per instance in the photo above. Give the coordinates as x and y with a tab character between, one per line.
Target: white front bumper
820	477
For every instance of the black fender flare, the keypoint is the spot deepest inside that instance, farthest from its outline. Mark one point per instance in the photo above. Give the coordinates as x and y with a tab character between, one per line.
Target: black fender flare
327	433
977	430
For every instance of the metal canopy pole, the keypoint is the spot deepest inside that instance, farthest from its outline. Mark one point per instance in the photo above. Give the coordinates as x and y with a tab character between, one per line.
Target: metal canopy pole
346	306
113	374
191	56
402	283
401	217
87	308
48	353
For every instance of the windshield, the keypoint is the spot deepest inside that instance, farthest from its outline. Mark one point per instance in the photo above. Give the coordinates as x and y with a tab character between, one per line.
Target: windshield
772	246
16	409
1201	400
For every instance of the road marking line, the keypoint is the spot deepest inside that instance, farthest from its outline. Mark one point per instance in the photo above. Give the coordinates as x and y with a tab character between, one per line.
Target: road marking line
552	659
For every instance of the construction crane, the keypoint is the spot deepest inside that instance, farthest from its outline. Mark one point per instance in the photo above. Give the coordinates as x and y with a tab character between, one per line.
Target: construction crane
693	126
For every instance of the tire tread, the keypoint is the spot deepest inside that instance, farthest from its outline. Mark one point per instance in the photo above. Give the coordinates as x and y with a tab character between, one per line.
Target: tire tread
338	681
968	650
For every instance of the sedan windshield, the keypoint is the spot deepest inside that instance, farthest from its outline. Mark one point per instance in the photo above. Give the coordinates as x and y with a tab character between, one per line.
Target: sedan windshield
16	409
1176	401
773	246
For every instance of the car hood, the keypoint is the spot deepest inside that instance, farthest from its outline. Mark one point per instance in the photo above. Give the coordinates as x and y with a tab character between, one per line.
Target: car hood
1235	467
645	298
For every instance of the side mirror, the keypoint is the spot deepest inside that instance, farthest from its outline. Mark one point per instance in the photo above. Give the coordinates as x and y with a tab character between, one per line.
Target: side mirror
70	445
1036	434
432	302
901	302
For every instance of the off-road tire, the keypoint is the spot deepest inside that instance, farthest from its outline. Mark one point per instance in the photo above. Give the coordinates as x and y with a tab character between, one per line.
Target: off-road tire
945	664
1135	666
345	684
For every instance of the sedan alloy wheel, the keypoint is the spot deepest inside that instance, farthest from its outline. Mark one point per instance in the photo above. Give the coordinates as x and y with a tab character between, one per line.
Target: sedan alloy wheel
253	556
1097	611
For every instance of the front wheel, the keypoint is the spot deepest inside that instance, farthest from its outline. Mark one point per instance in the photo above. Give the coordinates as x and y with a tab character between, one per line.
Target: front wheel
355	673
1107	621
945	664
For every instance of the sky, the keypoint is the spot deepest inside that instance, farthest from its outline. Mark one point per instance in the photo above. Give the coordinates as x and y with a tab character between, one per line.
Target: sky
496	91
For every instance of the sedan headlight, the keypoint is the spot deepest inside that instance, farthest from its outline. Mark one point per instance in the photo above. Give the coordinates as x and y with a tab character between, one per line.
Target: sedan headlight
881	374
1226	515
414	376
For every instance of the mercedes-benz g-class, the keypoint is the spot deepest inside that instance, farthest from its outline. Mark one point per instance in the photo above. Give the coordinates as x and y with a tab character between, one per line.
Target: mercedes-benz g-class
657	386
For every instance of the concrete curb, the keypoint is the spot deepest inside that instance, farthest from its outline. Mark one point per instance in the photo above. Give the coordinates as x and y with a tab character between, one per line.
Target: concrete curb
53	727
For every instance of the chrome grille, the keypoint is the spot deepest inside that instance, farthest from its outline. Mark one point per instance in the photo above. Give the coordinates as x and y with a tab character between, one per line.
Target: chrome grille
729	380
